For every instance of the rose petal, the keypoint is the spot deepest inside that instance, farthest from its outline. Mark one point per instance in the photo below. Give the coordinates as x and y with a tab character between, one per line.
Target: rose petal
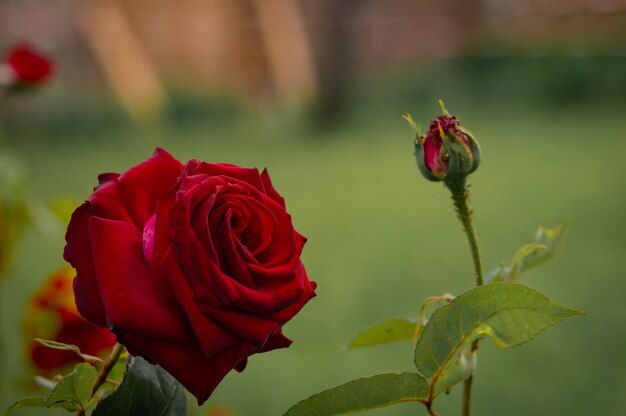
211	337
136	300
215	287
230	254
185	361
249	176
103	178
431	156
276	341
269	189
142	185
162	235
78	253
308	293
106	201
286	244
246	326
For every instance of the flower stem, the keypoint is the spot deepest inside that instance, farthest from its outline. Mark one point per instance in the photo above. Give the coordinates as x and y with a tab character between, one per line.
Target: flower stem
460	196
108	365
117	350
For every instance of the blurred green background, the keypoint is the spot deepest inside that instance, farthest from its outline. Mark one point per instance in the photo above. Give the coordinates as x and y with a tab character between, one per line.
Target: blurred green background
552	127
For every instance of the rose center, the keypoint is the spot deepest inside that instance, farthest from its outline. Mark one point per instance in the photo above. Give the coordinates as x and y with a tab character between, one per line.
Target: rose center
148	238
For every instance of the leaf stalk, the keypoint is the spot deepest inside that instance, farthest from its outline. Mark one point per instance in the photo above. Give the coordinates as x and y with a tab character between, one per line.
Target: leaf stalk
108	365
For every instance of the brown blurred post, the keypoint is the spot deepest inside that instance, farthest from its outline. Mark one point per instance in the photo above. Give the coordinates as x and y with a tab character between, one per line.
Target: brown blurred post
122	58
333	56
287	48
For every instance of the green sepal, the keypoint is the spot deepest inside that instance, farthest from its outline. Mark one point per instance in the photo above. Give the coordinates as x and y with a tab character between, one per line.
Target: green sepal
459	156
421	161
474	147
419	149
416	127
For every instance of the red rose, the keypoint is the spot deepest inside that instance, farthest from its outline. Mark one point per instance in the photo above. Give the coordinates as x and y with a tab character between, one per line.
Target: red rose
28	67
51	314
193	267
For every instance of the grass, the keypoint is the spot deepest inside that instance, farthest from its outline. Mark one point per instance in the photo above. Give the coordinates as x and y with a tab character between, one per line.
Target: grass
381	239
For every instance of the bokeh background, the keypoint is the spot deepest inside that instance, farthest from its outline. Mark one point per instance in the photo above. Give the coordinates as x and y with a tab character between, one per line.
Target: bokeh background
314	90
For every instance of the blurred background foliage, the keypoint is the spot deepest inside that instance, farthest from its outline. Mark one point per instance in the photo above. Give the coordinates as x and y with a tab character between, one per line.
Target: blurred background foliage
314	90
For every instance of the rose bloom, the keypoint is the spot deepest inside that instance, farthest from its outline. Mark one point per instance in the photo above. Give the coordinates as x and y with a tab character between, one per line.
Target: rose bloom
51	314
27	66
194	267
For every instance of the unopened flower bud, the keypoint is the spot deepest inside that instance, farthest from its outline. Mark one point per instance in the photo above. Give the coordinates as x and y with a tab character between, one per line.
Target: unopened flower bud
446	152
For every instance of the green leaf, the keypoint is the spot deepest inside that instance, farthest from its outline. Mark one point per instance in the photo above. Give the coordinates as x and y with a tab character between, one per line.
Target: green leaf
546	243
363	394
147	390
553	238
397	329
421	319
510	313
523	258
26	402
463	366
68	347
74	390
389	330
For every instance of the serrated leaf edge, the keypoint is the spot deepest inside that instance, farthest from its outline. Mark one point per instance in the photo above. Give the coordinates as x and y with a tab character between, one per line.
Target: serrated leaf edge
567	313
402	400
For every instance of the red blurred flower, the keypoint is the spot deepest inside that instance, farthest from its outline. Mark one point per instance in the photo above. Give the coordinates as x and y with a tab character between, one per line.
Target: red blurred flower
51	314
28	67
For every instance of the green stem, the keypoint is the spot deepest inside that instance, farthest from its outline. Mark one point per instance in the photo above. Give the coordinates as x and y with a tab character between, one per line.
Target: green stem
118	349
460	196
108	365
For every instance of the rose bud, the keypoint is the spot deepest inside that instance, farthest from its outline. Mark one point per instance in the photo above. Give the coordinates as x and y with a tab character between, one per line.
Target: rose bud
194	267
51	314
447	152
25	67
